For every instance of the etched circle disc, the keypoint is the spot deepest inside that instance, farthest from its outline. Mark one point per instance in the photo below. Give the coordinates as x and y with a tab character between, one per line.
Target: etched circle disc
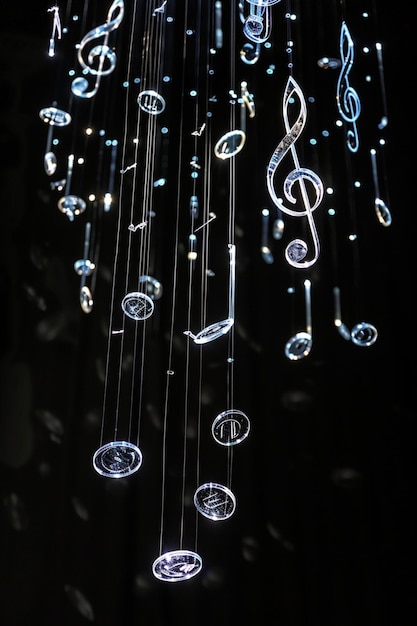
137	305
117	459
230	427
151	102
177	565
54	116
214	501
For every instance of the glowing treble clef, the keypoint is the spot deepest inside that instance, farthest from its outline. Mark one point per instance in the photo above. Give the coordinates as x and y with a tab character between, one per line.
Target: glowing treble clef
347	99
297	249
80	85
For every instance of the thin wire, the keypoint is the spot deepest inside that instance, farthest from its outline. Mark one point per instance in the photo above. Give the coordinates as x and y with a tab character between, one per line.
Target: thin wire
174	300
118	235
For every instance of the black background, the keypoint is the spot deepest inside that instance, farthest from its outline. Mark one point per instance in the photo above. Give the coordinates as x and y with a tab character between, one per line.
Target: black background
323	533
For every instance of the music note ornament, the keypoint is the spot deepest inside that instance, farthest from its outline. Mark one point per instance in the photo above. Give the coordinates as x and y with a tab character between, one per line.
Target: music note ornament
347	99
299	346
80	84
296	251
216	330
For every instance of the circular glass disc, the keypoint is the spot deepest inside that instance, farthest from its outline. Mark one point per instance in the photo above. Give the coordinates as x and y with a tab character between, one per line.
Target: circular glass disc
137	305
230	144
364	334
117	459
54	116
151	102
230	427
177	565
298	346
214	501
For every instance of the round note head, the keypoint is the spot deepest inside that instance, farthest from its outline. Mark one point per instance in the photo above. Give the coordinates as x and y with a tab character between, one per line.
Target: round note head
177	565
230	427
298	346
137	305
117	459
364	334
214	501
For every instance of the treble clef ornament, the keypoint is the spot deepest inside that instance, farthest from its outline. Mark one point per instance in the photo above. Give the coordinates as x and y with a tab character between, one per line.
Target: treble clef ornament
347	98
296	251
80	86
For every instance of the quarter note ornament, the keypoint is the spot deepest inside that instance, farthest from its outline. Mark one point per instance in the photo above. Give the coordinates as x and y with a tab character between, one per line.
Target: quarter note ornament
347	98
297	250
216	330
105	55
300	344
381	209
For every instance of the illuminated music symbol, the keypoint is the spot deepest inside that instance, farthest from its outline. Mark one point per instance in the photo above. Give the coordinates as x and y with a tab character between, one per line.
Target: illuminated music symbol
296	250
137	305
216	330
278	226
160	9
364	334
347	98
384	119
214	501
382	211
151	102
56	29
341	328
69	204
117	459
250	54
230	427
129	167
299	346
139	226
199	131
230	144
177	565
84	267
53	117
103	52
265	249
212	216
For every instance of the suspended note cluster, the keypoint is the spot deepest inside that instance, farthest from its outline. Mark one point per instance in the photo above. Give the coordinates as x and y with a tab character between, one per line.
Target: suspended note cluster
156	120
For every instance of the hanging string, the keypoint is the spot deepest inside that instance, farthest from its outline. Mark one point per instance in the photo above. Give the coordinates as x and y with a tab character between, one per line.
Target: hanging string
118	236
169	372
